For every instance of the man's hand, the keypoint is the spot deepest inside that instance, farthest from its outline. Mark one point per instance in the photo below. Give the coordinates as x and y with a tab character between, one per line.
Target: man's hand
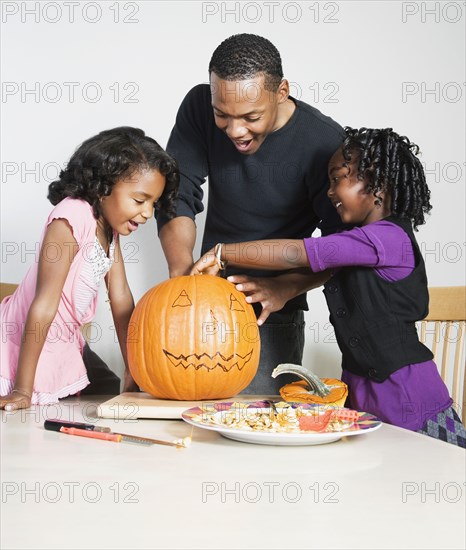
207	264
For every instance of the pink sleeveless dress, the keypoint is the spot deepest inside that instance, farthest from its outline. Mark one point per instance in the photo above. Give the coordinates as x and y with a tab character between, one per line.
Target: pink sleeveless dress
60	369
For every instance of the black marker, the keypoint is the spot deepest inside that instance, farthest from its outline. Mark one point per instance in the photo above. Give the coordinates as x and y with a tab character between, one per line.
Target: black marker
56	424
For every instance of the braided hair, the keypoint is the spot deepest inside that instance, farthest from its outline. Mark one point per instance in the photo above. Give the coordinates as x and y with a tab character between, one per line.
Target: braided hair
103	160
388	162
244	56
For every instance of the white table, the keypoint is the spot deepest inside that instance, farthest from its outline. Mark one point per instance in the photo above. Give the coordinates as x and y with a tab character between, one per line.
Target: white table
388	489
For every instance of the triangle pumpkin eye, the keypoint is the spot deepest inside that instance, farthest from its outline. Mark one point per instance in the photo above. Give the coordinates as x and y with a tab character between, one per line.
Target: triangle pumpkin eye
235	305
182	300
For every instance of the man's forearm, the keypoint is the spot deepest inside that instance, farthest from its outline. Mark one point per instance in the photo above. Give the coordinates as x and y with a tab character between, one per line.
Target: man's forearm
178	237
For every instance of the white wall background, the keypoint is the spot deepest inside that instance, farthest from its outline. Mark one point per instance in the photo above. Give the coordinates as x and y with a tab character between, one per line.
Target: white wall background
72	69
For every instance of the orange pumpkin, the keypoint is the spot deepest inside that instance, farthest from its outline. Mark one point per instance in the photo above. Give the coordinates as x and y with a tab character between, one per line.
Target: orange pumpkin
298	392
193	338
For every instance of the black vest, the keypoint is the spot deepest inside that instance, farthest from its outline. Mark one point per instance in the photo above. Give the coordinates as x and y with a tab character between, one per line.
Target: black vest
374	319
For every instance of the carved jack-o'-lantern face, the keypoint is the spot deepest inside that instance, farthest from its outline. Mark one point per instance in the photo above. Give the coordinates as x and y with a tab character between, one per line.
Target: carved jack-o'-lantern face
193	338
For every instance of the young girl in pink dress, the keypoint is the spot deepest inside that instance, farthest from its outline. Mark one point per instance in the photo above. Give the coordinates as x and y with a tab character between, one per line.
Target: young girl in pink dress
376	285
110	186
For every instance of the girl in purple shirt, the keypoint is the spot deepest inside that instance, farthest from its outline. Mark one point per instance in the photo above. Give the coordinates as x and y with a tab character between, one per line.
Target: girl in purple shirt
377	185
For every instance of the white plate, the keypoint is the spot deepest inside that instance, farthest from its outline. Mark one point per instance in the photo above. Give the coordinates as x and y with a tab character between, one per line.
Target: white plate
365	424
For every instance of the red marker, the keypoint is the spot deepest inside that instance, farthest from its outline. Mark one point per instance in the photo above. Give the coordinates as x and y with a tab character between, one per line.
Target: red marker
92	434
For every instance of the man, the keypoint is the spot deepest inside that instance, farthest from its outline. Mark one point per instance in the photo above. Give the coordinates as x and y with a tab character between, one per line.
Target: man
265	155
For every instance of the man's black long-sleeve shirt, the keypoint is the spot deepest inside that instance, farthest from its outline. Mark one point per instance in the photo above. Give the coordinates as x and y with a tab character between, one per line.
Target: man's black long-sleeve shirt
277	192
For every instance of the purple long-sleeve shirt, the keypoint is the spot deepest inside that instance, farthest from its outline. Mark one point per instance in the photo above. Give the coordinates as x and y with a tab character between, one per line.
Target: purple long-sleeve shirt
415	393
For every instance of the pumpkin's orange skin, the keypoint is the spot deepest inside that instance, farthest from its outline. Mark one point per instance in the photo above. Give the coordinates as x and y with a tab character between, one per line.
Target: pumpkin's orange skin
193	338
297	392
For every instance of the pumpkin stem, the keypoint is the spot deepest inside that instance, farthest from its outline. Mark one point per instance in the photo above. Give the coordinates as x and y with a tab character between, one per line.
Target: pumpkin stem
316	386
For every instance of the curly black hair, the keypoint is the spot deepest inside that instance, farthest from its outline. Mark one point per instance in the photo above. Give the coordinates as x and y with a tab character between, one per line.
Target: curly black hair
388	162
103	160
243	56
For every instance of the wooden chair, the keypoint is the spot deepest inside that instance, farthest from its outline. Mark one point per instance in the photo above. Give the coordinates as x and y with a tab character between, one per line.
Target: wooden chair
443	332
6	289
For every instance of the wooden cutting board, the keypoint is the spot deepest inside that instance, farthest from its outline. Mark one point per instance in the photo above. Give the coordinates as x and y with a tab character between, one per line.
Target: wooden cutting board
130	406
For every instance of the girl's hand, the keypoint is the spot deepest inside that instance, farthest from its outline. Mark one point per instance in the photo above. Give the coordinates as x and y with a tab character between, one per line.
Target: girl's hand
15	400
274	292
206	264
271	293
129	384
